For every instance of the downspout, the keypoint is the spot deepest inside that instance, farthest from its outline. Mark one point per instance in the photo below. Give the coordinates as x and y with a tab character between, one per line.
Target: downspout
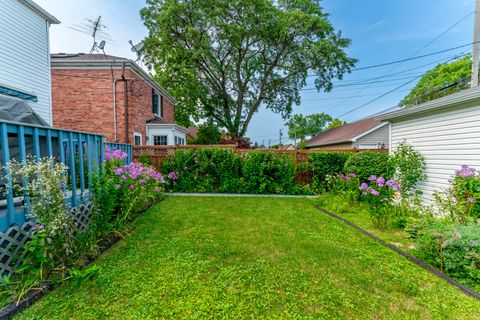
126	109
115	108
115	104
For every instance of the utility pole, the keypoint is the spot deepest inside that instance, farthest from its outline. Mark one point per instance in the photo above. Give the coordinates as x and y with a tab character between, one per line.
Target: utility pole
269	143
476	38
280	139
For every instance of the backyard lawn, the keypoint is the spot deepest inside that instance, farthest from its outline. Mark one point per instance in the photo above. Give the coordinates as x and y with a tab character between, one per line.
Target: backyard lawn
247	257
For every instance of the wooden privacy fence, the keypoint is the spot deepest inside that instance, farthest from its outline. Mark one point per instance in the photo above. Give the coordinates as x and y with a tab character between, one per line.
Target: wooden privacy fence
81	152
158	154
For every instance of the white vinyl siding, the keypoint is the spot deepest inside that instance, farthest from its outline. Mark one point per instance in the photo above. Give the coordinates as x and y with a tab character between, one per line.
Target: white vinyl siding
447	139
24	54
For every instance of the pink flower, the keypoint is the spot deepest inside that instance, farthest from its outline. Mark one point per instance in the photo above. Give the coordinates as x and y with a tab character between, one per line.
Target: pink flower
118	171
470	200
157	190
380	181
364	186
353	175
118	186
124	178
372	178
374	192
132	186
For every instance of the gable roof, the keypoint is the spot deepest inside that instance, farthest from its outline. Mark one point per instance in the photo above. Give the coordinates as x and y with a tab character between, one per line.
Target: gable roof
40	11
102	61
346	133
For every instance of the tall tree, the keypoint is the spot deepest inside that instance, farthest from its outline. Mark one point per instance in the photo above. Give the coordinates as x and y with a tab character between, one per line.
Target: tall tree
442	80
301	127
208	133
225	59
336	123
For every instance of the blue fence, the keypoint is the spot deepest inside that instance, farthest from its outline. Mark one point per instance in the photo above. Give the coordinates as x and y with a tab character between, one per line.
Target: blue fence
82	152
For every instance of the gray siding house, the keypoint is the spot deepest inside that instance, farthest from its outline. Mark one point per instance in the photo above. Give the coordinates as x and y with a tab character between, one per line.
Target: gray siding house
25	54
363	134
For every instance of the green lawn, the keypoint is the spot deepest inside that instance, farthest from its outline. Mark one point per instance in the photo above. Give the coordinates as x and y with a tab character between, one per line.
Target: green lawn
247	258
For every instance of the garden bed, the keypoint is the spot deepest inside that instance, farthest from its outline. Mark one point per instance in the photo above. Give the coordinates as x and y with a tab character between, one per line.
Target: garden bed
250	257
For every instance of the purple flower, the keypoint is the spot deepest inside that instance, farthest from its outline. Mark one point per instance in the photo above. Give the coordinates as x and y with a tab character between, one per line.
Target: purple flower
118	171
364	186
372	178
157	190
380	181
465	171
374	192
353	175
108	155
118	186
132	186
124	178
454	201
172	176
393	184
470	200
140	181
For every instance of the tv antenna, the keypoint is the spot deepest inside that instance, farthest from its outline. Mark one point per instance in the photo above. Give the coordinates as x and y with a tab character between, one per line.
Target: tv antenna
96	29
137	48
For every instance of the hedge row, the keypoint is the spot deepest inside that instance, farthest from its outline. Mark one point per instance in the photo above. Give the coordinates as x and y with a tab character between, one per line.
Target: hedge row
224	171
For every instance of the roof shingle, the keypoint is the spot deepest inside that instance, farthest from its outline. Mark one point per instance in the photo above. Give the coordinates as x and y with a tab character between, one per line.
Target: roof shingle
344	133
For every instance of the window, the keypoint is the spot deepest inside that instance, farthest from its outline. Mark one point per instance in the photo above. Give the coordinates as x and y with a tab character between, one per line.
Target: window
137	139
160	140
179	140
367	146
157	104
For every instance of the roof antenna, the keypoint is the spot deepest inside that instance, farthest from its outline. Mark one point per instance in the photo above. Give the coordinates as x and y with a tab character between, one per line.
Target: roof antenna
96	29
137	48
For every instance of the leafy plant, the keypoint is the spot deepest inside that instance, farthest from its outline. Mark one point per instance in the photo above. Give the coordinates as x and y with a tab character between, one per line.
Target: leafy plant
453	248
461	200
323	164
369	163
409	166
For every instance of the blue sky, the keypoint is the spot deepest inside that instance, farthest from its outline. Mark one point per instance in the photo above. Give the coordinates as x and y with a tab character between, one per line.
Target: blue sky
380	30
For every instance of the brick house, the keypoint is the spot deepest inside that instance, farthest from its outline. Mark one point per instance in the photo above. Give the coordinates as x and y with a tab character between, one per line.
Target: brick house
112	96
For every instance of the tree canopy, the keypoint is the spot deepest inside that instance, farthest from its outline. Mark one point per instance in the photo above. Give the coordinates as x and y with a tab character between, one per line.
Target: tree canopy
208	133
223	60
302	127
336	123
451	77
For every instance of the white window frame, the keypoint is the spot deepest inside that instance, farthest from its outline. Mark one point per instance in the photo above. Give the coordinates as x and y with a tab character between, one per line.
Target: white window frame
135	135
368	146
159	135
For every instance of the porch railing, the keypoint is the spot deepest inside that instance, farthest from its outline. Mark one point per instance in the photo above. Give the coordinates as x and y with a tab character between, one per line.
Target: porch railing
82	152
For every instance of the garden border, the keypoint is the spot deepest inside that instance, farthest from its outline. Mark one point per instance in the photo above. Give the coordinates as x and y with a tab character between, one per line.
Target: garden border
466	290
14	308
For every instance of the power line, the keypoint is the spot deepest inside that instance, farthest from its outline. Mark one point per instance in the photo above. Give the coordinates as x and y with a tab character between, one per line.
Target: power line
384	94
410	57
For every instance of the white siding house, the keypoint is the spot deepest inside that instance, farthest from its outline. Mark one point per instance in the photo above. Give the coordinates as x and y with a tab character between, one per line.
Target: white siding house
445	131
25	54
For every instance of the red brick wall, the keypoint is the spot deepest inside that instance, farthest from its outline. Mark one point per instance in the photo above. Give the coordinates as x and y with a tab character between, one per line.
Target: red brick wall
83	100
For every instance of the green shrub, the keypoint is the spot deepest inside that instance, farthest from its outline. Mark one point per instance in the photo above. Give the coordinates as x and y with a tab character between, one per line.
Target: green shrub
205	170
144	159
409	168
452	247
265	172
369	163
325	164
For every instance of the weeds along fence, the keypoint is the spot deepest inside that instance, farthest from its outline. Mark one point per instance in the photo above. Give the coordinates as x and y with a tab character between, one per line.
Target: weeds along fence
158	154
81	152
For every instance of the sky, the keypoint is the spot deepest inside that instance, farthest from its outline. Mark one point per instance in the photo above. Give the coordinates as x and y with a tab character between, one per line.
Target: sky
381	31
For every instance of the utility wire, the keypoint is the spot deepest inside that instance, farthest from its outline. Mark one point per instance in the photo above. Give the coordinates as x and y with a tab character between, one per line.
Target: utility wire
384	94
410	57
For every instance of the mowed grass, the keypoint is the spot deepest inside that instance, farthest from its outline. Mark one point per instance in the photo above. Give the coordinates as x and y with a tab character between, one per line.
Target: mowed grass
252	258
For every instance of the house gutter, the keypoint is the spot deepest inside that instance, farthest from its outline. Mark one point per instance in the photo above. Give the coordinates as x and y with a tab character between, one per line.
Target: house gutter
122	78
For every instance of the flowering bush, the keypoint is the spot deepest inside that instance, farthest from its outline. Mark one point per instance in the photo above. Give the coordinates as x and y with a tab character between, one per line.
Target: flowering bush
54	246
123	190
382	195
409	166
346	185
461	200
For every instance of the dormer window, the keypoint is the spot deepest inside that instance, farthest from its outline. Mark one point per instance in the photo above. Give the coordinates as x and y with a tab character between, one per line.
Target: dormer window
157	104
